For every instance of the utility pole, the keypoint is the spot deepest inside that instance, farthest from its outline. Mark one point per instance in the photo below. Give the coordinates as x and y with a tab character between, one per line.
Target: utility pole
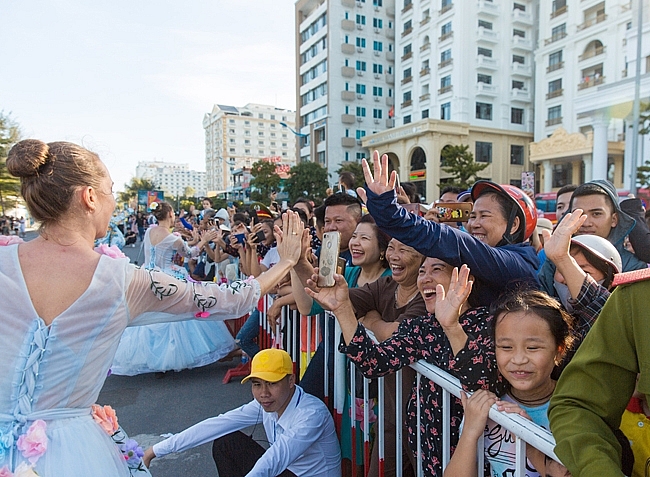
637	101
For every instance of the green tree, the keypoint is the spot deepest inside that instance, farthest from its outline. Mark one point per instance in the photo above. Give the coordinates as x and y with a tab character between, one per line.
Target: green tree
459	162
131	189
356	169
9	185
264	180
307	179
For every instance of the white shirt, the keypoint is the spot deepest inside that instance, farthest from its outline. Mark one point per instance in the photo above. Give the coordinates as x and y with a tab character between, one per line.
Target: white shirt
302	440
271	258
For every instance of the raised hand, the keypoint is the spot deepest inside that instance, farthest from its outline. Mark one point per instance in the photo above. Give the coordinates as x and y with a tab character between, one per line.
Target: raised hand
449	304
557	245
289	237
380	182
330	298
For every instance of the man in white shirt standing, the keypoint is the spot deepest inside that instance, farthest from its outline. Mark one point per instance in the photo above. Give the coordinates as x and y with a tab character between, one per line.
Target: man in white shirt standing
298	426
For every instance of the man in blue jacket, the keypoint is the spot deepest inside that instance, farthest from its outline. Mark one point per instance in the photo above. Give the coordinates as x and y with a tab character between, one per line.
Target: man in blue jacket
495	249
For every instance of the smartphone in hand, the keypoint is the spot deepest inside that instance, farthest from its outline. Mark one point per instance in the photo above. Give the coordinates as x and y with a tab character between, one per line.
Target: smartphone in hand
328	262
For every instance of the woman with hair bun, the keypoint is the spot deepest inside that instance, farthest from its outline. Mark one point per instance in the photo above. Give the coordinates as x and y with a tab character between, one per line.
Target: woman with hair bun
163	347
65	307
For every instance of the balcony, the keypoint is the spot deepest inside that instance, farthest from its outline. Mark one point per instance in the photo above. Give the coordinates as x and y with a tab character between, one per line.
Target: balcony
554	121
559	11
487	35
348	142
347	48
407	80
592	53
390	55
519	69
446	89
446	36
406	103
425	47
407	56
445	9
555	94
484	89
348	118
445	63
347	3
390	79
485	62
390	33
554	38
347	25
390	101
488	7
521	18
347	95
555	67
425	97
520	94
407	32
407	7
591	82
520	43
424	21
425	71
347	72
592	21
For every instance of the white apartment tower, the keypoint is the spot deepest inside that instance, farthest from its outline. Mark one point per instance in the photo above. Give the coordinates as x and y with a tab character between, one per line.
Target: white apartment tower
237	137
463	75
173	178
586	61
345	78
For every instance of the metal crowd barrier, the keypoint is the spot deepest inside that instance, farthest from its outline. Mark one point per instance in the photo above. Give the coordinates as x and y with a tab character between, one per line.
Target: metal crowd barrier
299	335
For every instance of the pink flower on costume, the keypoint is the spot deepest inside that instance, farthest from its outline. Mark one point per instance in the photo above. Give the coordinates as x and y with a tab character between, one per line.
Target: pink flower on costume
358	409
33	443
112	251
202	314
9	240
5	472
105	416
24	470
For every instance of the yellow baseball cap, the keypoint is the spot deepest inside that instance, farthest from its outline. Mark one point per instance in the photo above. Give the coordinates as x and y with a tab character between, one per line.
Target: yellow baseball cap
270	365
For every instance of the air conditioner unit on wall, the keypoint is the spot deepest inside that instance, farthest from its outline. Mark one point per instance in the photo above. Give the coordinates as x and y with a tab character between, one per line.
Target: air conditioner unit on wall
377	98
359	73
359	96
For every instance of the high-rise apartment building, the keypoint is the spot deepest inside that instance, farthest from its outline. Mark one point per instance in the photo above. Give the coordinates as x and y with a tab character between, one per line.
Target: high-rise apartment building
463	75
586	61
173	178
237	137
345	77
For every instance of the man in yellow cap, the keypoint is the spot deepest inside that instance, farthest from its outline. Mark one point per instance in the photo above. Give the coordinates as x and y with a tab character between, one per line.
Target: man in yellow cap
298	426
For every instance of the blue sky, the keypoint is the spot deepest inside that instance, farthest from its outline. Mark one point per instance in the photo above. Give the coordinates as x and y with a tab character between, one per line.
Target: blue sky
132	79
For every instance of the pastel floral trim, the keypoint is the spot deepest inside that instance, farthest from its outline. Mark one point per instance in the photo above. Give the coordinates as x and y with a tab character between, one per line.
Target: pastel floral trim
202	314
107	419
33	443
5	472
113	251
23	470
9	240
132	453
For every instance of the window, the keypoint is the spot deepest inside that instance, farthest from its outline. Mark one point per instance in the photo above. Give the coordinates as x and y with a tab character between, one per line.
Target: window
485	52
425	113
360	155
361	88
407	73
406	96
407	49
361	65
260	116
516	116
272	116
519	33
377	3
376	113
377	91
361	19
232	150
377	22
554	114
558	4
555	58
519	6
445	56
377	45
445	111
231	121
519	59
518	84
361	42
445	81
231	131
559	31
483	152
484	111
484	24
408	26
361	111
562	174
555	85
517	155
360	134
445	3
446	29
407	119
377	68
260	143
261	125
487	79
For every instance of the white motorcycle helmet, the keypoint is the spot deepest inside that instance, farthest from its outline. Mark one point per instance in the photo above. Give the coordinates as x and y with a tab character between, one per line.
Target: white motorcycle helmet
601	248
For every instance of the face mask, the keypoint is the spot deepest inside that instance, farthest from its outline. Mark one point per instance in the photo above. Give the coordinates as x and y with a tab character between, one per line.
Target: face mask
563	292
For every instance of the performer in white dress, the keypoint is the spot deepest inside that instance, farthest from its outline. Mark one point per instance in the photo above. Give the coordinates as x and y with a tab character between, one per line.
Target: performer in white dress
170	346
65	308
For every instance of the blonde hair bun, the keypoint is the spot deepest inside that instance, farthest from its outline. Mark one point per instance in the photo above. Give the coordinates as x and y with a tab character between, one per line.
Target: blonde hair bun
27	157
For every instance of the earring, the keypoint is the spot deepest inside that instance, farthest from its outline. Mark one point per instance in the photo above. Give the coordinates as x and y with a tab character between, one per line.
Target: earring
381	256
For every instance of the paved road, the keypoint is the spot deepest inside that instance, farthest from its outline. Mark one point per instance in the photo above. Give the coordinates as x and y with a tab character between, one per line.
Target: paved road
149	405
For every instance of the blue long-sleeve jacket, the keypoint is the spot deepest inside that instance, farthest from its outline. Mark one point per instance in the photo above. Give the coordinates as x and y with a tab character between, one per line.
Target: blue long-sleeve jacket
495	269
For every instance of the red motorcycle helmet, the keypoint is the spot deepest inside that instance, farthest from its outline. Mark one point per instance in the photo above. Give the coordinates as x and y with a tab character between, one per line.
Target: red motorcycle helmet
525	209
